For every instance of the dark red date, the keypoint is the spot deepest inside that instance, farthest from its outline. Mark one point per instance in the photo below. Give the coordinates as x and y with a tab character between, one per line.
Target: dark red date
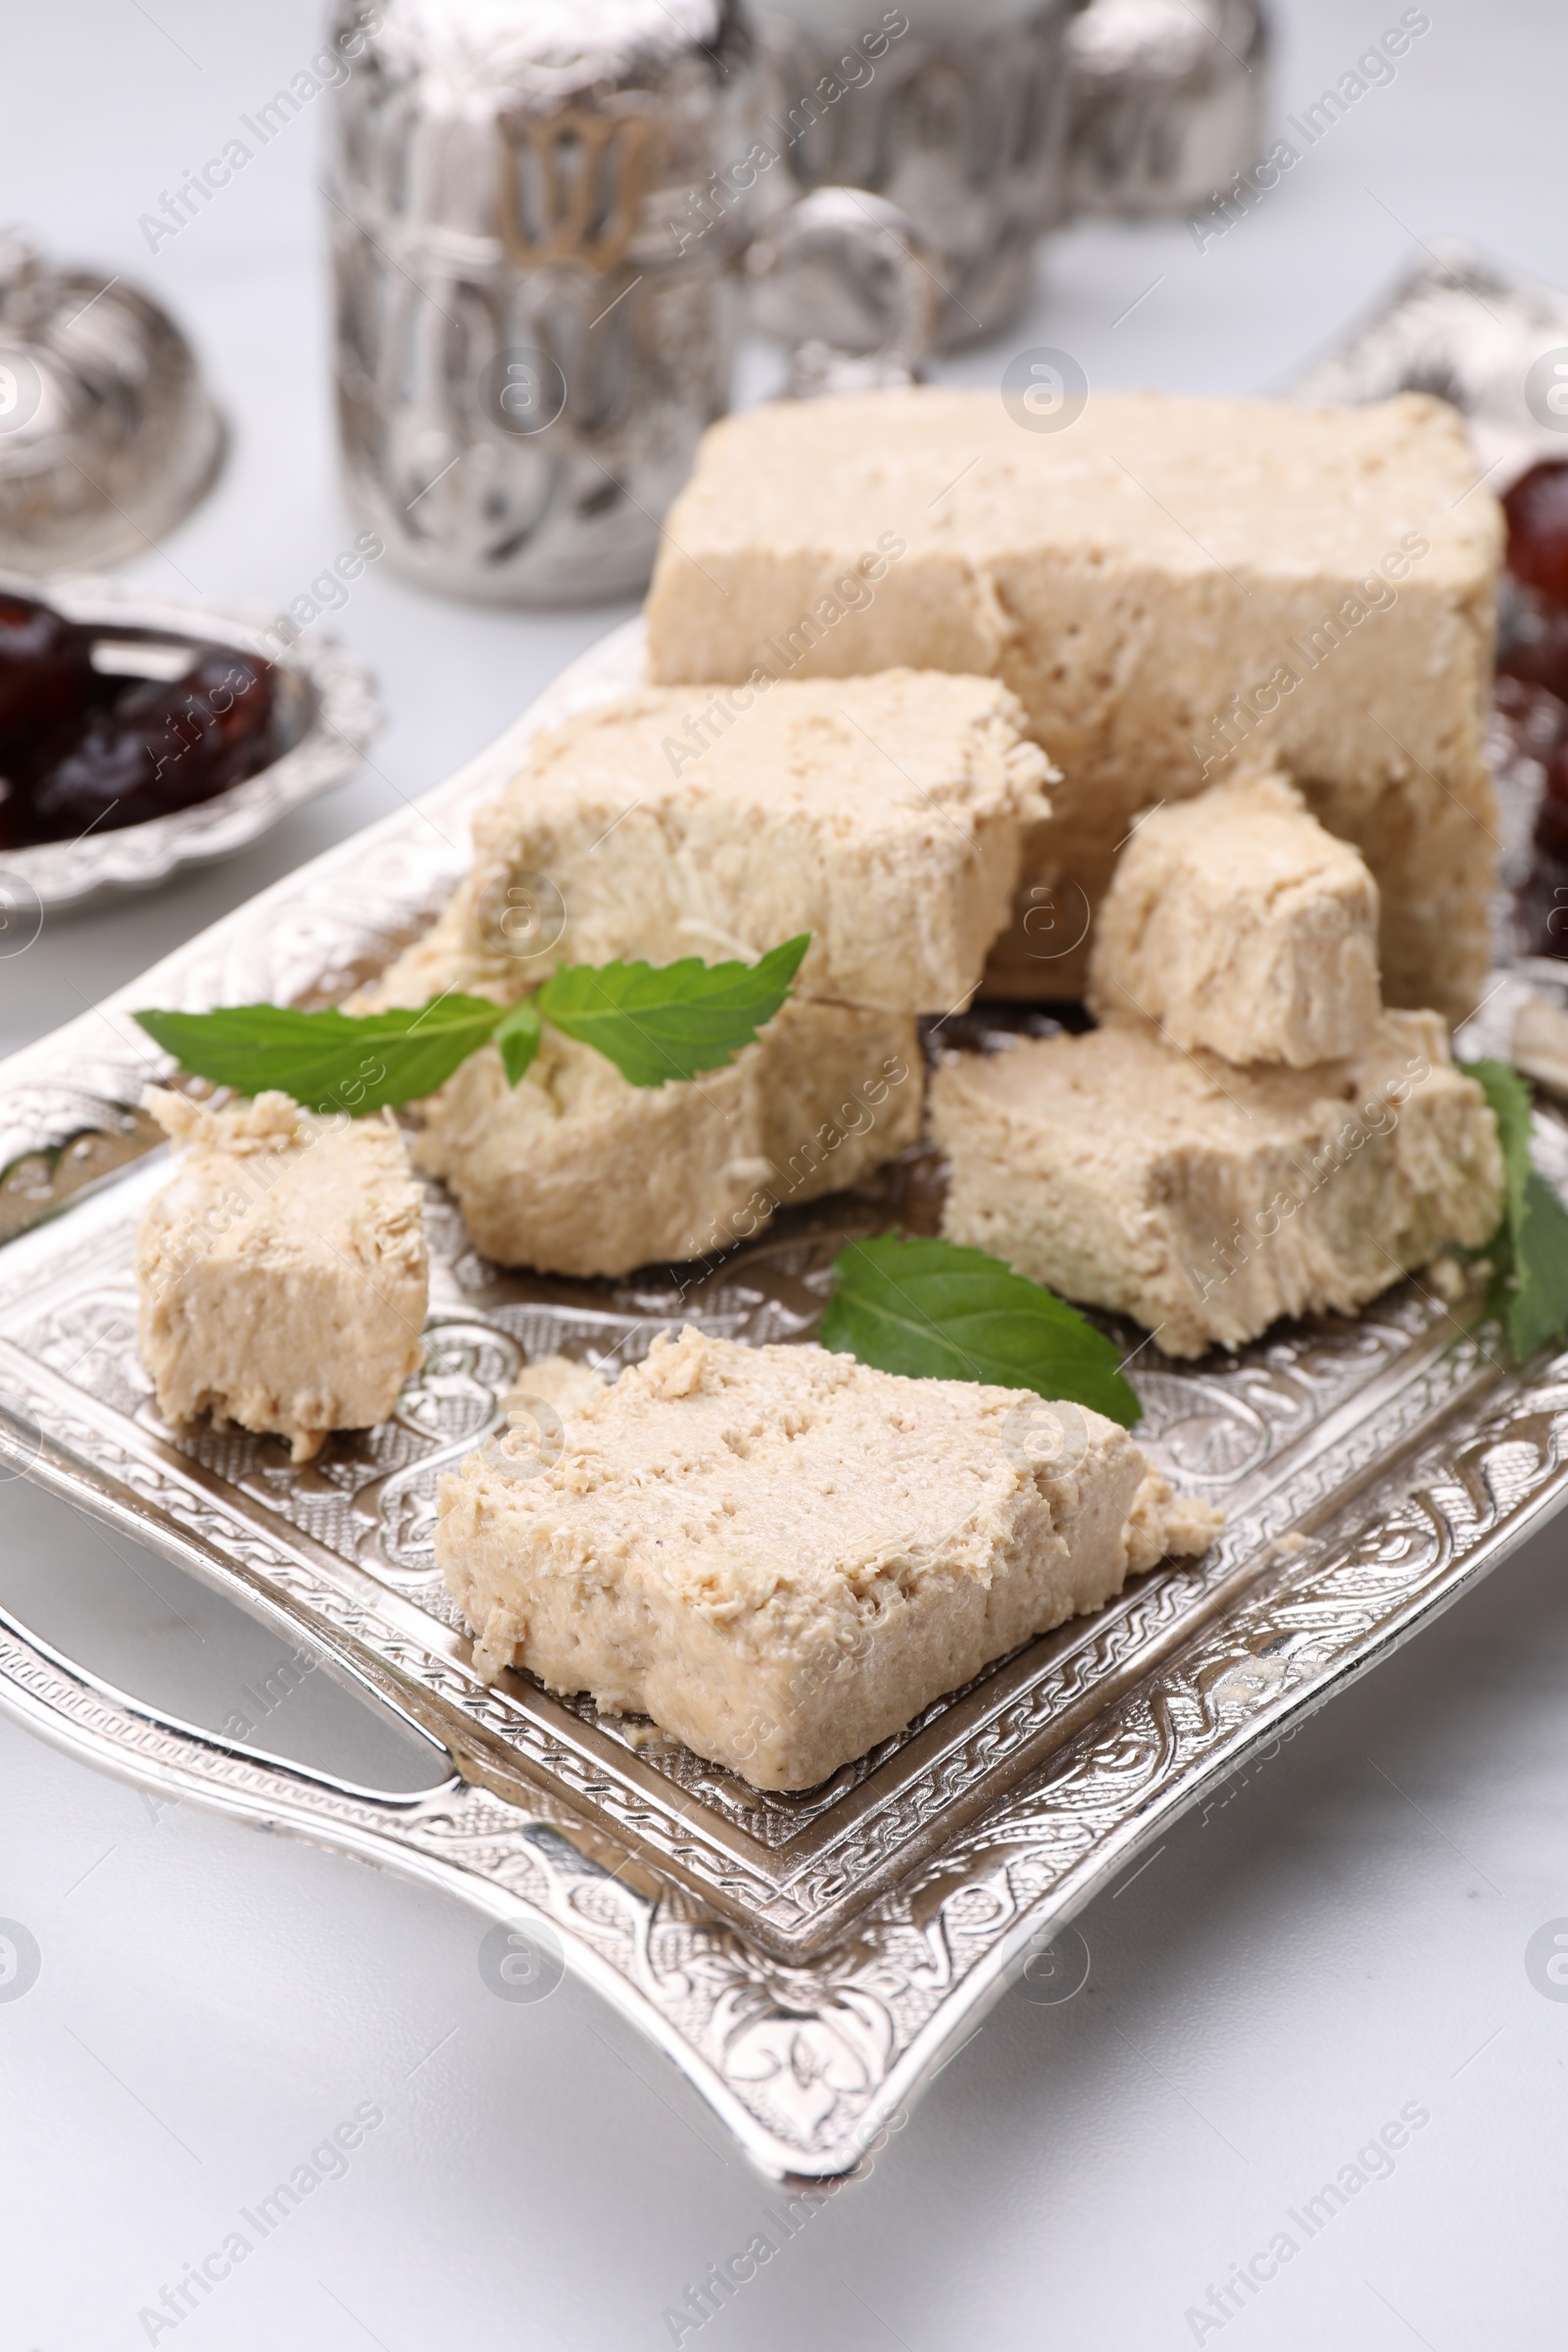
1537	509
1530	747
86	753
1533	639
46	671
1533	614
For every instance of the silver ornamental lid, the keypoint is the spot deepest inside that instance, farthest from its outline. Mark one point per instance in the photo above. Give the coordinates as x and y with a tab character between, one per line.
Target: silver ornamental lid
608	113
107	437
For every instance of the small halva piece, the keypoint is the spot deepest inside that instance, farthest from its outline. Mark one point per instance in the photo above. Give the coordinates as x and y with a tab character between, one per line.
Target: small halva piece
574	1170
1208	1200
281	1276
1236	923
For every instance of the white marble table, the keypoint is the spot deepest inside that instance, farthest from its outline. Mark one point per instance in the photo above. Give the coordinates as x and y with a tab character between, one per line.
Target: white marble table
1343	1942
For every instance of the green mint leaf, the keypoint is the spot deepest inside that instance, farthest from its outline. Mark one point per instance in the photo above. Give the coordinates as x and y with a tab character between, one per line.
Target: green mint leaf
327	1061
653	1023
661	1021
1530	1248
935	1311
518	1037
1538	1309
1512	1106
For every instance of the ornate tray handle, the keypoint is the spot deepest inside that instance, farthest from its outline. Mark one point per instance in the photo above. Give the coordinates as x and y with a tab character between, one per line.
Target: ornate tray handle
597	1917
456	1837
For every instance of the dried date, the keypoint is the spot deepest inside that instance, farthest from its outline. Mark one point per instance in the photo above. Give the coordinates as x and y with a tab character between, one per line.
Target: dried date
116	753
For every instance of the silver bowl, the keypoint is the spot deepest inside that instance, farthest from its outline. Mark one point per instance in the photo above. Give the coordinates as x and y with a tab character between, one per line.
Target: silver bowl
327	712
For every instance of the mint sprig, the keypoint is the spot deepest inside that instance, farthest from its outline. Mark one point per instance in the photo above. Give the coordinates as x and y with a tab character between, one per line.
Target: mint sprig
935	1311
655	1022
669	1020
1529	1252
328	1060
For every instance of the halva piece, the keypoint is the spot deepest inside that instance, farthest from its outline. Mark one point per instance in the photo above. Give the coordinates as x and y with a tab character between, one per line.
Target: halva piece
1166	584
1204	1200
782	1555
576	1171
559	1381
884	816
1540	1043
281	1276
1236	923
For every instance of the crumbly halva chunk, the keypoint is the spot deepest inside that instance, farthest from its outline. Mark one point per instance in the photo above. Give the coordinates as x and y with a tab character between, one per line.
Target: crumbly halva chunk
884	816
782	1555
1166	584
1207	1201
1236	923
559	1381
576	1171
281	1276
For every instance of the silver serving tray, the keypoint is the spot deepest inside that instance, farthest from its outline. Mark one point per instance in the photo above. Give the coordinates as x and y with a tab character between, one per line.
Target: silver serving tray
329	713
807	1960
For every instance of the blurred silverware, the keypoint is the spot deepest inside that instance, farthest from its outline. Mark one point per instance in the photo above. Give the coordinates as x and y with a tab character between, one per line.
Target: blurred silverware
1487	338
107	437
327	712
536	214
958	119
848	279
1166	100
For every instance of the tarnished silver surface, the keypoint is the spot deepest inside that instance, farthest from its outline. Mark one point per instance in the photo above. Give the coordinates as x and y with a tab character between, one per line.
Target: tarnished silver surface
108	436
808	1960
536	209
966	135
1166	102
1489	339
329	713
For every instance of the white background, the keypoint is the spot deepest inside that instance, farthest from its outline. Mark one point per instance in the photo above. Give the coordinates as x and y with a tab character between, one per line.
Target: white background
1345	1935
